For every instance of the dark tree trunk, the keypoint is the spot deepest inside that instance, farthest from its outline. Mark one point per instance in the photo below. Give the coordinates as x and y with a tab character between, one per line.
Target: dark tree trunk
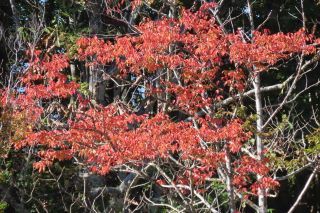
97	86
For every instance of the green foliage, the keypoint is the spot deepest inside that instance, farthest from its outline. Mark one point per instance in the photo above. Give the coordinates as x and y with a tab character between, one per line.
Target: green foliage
249	122
4	176
222	193
3	206
271	210
286	163
314	140
84	88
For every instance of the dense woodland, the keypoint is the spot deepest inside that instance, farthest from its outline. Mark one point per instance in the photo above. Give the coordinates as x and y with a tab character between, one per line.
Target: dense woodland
159	106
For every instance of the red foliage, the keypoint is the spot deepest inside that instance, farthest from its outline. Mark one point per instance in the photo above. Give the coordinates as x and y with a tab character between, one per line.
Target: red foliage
194	50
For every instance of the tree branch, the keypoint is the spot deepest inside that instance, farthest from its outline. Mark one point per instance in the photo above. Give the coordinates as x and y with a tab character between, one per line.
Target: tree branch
251	92
294	172
306	186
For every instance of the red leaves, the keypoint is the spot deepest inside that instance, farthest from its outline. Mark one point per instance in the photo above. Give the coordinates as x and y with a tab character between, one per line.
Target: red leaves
266	50
193	62
46	80
104	139
235	79
232	134
246	167
264	183
42	165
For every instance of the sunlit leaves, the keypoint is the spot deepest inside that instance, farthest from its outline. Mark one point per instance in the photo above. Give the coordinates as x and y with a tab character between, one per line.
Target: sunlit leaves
189	64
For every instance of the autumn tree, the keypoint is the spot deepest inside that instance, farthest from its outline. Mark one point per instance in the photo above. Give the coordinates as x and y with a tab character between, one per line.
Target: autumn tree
168	108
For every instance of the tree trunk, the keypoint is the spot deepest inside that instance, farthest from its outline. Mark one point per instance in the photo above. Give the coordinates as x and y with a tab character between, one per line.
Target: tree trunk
229	179
97	86
261	192
14	13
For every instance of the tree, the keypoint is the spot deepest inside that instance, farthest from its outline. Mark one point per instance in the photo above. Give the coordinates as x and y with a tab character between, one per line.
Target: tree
186	68
179	122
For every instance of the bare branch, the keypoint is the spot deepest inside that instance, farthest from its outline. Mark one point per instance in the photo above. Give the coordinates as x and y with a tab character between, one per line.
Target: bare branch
294	172
306	186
